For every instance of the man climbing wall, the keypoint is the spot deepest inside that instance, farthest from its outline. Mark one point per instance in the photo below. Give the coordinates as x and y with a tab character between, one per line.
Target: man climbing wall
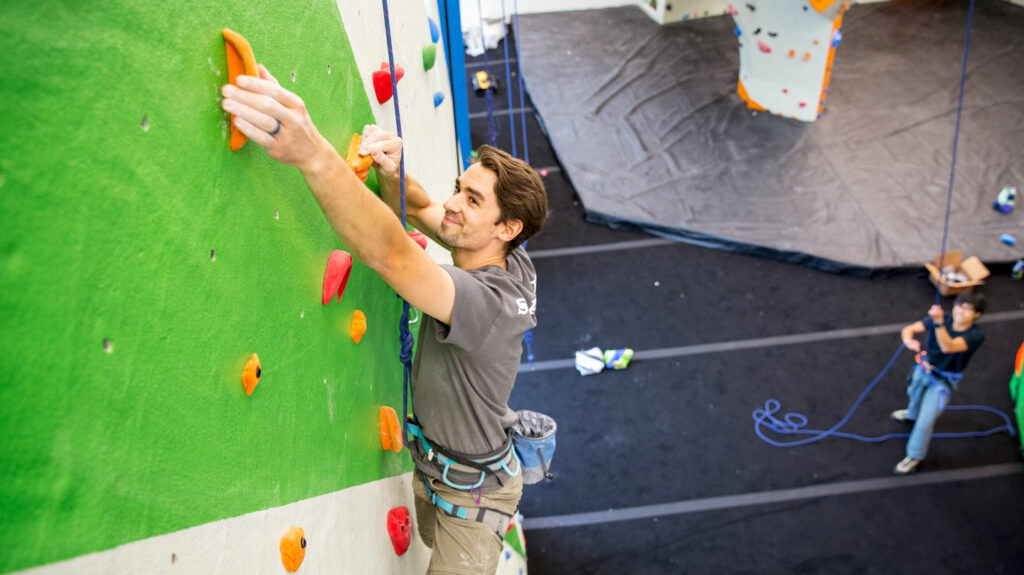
477	309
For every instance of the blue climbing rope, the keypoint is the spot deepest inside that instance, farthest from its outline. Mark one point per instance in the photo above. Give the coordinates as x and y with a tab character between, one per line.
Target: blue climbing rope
508	86
492	129
404	335
794	423
956	138
519	72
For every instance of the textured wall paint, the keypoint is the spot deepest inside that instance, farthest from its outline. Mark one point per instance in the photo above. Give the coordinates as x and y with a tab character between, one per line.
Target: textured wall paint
116	184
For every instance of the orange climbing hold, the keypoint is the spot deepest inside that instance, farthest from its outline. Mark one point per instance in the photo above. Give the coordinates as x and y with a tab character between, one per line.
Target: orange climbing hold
339	266
251	374
358	327
293	549
241	62
359	164
390	430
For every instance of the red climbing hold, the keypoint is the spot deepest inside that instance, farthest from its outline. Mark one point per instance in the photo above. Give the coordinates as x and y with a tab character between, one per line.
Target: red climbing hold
419	238
400	529
382	81
339	265
764	47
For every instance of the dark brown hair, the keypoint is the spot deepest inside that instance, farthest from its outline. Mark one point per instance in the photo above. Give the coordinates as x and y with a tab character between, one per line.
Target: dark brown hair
520	192
977	300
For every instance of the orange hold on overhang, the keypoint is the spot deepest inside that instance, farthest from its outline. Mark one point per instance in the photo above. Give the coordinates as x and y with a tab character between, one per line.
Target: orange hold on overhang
241	61
821	5
251	374
390	430
358	326
293	549
742	91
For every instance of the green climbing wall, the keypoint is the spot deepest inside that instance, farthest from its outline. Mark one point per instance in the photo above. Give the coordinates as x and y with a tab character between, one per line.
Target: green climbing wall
142	262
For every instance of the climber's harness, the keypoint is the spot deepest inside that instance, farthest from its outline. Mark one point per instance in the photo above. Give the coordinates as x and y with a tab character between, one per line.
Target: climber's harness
466	474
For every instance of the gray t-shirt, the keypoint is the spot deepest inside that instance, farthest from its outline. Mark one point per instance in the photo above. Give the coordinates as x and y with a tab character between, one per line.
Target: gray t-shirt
463	374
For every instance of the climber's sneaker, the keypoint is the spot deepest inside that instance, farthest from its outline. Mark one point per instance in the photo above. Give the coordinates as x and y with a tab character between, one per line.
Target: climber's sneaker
906	466
901	415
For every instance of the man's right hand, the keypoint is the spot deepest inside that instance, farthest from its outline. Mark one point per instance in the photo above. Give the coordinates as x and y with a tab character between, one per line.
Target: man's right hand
384	147
912	344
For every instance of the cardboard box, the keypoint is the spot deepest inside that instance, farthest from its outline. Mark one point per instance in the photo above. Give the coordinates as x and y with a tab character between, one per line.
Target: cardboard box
971	267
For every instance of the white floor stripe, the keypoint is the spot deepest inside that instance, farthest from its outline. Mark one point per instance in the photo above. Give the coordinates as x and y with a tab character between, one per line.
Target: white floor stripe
767	497
504	112
583	250
667	352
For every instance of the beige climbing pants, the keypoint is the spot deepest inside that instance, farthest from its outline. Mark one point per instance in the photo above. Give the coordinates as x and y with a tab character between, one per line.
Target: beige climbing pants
463	546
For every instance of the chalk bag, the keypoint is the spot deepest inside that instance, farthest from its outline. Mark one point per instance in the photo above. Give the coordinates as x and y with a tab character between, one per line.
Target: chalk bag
534	441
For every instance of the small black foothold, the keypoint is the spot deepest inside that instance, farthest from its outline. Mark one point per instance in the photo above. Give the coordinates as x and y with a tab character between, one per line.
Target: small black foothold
758	31
752	7
302	542
259	373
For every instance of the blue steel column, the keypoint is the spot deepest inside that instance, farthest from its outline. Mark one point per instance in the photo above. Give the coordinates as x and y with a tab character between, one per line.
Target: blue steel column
451	33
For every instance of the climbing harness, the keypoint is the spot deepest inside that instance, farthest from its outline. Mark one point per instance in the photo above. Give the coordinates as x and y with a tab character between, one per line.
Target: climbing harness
498	521
937	375
459	465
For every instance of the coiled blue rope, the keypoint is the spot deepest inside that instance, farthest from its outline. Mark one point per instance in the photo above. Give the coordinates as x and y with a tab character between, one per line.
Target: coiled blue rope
793	423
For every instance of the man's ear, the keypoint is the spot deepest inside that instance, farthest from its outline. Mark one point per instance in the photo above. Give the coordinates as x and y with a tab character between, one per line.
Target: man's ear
509	229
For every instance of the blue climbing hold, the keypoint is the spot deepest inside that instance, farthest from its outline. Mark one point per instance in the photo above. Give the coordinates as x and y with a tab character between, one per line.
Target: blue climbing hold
438	98
435	32
738	31
837	38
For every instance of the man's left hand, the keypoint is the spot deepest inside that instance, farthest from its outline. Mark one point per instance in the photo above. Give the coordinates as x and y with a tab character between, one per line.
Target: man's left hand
276	119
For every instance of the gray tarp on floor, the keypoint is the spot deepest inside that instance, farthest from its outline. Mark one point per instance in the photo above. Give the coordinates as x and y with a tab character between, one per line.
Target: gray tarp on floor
646	122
